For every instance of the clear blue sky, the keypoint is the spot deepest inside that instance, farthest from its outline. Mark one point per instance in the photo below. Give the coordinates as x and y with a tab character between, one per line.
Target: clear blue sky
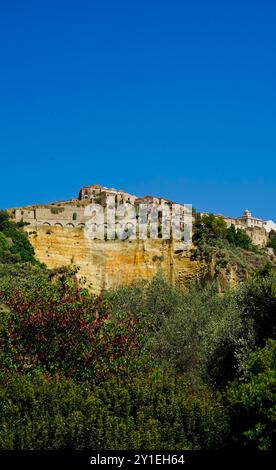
174	98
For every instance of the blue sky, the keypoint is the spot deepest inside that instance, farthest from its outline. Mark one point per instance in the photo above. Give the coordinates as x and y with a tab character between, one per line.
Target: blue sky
173	98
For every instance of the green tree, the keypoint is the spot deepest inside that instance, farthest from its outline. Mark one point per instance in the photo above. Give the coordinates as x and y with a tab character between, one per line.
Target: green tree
216	225
149	412
252	400
257	302
272	241
198	335
19	249
209	228
238	237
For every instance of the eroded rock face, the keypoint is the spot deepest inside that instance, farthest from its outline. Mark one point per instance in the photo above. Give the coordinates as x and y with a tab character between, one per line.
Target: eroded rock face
114	262
106	264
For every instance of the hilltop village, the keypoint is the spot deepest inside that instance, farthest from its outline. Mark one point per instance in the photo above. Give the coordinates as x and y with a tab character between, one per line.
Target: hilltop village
71	214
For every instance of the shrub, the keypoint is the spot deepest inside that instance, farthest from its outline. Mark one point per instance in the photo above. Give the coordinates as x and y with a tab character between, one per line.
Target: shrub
238	237
257	301
209	227
200	336
212	230
57	210
14	243
150	412
150	302
252	400
272	241
61	327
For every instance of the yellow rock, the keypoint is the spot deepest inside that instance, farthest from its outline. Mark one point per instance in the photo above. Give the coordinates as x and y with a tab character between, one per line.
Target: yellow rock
113	262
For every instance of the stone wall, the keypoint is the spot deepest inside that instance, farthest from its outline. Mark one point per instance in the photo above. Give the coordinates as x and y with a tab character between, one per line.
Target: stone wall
70	216
258	235
66	215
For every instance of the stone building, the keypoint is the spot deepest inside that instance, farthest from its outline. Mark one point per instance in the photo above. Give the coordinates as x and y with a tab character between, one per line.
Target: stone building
52	215
254	227
90	192
72	213
97	193
245	221
269	226
257	229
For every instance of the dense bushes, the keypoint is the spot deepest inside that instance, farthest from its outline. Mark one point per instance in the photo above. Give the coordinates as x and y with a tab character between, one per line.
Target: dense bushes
58	327
211	226
238	237
145	366
272	241
112	350
200	334
212	338
252	399
211	229
14	244
257	303
149	412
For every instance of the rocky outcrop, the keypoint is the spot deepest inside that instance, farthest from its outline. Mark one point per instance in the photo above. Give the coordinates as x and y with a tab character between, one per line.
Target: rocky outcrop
104	264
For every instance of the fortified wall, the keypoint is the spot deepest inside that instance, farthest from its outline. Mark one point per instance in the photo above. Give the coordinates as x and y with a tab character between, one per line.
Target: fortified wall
72	213
52	215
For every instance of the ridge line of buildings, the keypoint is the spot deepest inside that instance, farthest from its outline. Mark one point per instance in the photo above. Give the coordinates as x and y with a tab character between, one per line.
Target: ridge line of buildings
71	213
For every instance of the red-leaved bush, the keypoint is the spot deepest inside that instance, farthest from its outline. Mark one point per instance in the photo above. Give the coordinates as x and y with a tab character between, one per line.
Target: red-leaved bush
61	328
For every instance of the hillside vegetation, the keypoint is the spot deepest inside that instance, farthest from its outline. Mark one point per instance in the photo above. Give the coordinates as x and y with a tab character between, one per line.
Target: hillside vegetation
229	254
147	366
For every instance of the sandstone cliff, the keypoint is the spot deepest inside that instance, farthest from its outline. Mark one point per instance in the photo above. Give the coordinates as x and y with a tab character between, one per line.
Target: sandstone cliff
105	264
113	262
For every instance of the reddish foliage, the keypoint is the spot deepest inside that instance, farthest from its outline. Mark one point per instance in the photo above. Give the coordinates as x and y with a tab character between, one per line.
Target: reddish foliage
63	328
